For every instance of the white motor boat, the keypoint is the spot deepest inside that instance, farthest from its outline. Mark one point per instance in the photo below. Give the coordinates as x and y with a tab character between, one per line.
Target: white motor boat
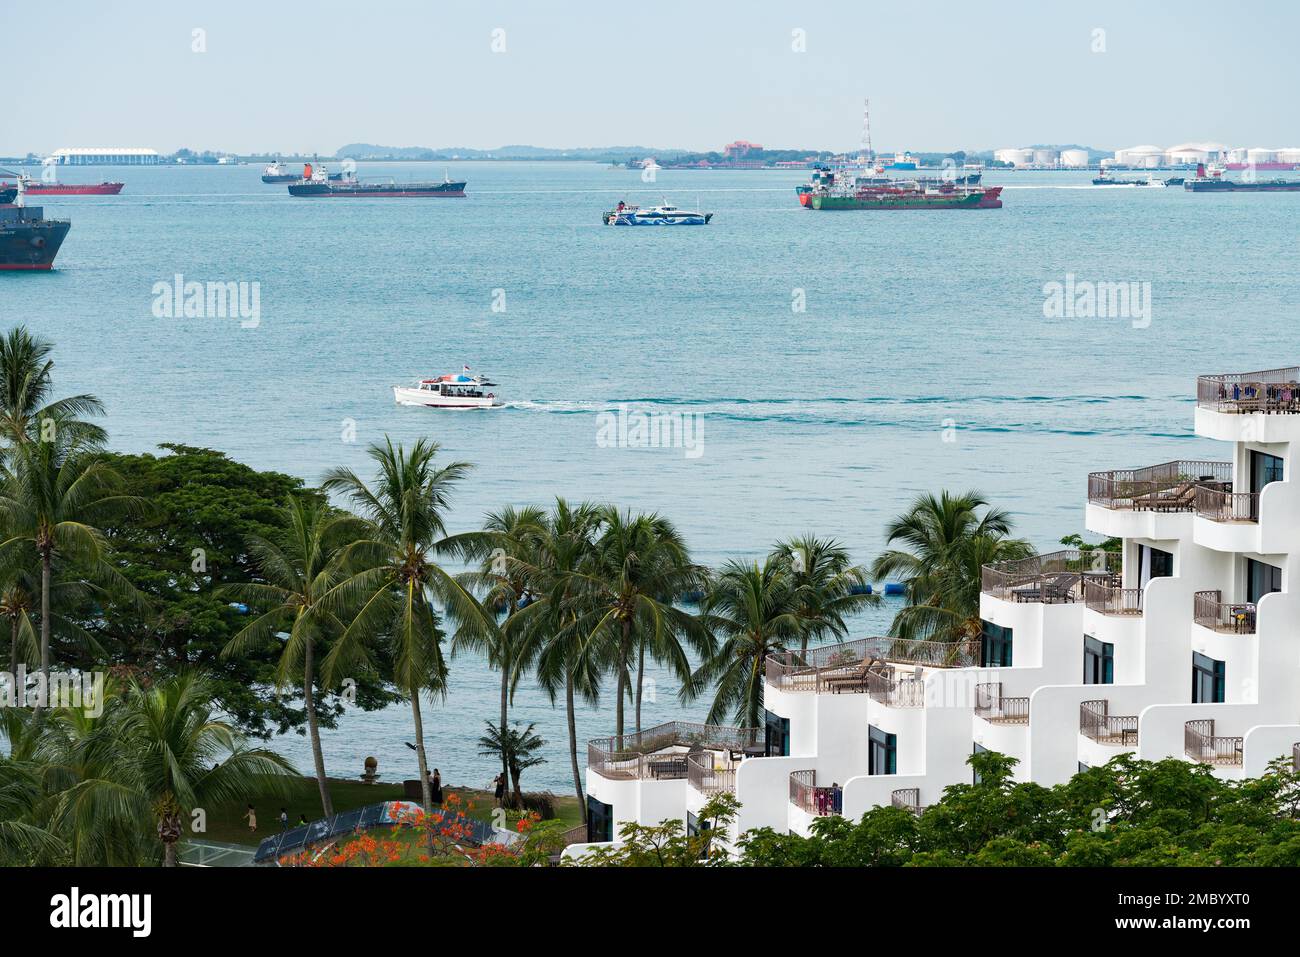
462	391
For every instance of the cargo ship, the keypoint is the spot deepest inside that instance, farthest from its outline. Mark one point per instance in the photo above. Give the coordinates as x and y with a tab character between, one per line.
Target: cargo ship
316	183
28	241
278	173
1214	181
846	190
73	189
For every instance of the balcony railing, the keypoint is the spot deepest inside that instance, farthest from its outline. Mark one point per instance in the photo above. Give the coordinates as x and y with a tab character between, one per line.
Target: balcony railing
1097	723
909	799
1052	578
806	795
1234	617
993	707
1219	505
660	753
1110	600
1203	745
1273	390
708	773
896	690
843	667
1169	487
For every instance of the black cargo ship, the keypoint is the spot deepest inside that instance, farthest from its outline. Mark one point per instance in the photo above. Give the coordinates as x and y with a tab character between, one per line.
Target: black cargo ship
1213	181
358	189
28	241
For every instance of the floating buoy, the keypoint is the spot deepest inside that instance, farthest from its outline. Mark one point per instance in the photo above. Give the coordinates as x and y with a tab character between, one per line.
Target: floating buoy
859	589
895	588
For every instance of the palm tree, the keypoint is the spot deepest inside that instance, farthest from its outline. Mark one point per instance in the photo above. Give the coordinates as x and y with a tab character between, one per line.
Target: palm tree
395	577
300	567
517	749
550	638
830	588
52	496
641	565
755	611
945	541
182	757
25	383
507	542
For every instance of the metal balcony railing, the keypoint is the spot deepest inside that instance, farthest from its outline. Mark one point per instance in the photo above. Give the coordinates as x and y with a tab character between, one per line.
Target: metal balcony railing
1201	744
1111	600
1052	578
1168	487
843	667
1097	723
660	753
1270	391
896	690
992	706
909	799
1210	611
1219	505
819	801
708	774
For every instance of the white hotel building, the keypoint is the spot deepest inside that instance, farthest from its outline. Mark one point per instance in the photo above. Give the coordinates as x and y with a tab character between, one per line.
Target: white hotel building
1187	645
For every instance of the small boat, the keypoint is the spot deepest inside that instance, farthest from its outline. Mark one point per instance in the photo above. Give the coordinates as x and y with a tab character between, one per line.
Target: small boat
1105	179
664	215
462	391
277	172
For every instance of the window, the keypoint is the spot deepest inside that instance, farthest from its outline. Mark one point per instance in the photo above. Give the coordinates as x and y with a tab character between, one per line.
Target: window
1098	661
693	825
1261	579
974	774
776	735
995	649
882	752
1207	679
600	821
1083	767
1264	468
1153	563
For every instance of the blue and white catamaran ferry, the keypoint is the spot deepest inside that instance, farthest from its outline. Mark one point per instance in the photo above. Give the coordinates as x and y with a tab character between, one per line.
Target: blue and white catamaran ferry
625	214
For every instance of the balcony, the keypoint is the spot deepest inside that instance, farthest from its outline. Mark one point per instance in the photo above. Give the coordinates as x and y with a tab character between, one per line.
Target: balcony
888	687
806	795
712	772
1224	505
1235	618
996	709
1054	578
1111	599
1201	744
1270	391
1096	722
843	667
909	799
661	753
1168	487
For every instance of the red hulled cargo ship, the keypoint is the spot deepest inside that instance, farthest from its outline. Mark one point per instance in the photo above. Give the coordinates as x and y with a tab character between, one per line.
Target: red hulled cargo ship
74	189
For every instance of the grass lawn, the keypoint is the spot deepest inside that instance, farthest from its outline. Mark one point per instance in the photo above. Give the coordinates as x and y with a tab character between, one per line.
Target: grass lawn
226	822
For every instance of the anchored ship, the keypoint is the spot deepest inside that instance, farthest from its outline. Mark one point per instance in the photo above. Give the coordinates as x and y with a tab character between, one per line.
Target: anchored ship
847	189
35	188
28	241
318	183
1213	181
277	172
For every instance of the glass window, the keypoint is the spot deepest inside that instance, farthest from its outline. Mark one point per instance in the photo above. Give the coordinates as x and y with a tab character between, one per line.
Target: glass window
1264	468
975	775
1153	563
995	648
776	734
882	752
1098	661
1208	684
600	821
1261	579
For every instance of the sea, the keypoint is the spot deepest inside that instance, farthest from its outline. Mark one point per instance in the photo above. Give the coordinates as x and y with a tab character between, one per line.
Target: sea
800	371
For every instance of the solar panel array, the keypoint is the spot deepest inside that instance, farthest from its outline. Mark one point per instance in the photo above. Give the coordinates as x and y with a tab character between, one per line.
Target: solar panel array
383	814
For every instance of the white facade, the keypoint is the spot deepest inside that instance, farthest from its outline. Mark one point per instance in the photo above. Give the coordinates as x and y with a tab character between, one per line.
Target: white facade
1186	645
106	156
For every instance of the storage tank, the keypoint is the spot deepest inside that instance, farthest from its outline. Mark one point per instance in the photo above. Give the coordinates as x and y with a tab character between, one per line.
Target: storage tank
1074	158
1260	155
1046	157
1014	156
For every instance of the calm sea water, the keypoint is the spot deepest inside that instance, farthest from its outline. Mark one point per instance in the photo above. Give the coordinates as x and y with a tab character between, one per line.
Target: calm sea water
917	327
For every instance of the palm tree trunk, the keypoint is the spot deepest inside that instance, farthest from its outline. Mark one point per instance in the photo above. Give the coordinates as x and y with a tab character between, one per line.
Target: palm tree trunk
505	696
13	648
169	854
45	630
573	742
624	647
425	794
640	681
313	729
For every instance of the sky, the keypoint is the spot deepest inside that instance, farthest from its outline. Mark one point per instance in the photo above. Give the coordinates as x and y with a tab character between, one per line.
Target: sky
308	77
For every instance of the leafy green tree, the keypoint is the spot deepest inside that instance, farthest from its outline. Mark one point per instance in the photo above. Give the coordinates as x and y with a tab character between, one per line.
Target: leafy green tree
667	845
518	750
26	410
937	548
829	587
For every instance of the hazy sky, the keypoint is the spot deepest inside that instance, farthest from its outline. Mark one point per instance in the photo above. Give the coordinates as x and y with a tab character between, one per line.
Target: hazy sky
311	76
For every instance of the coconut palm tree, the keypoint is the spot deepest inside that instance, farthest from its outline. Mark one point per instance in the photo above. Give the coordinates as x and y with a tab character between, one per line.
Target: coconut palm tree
754	610
53	494
509	537
300	566
26	411
830	587
937	548
549	637
517	748
641	566
395	576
